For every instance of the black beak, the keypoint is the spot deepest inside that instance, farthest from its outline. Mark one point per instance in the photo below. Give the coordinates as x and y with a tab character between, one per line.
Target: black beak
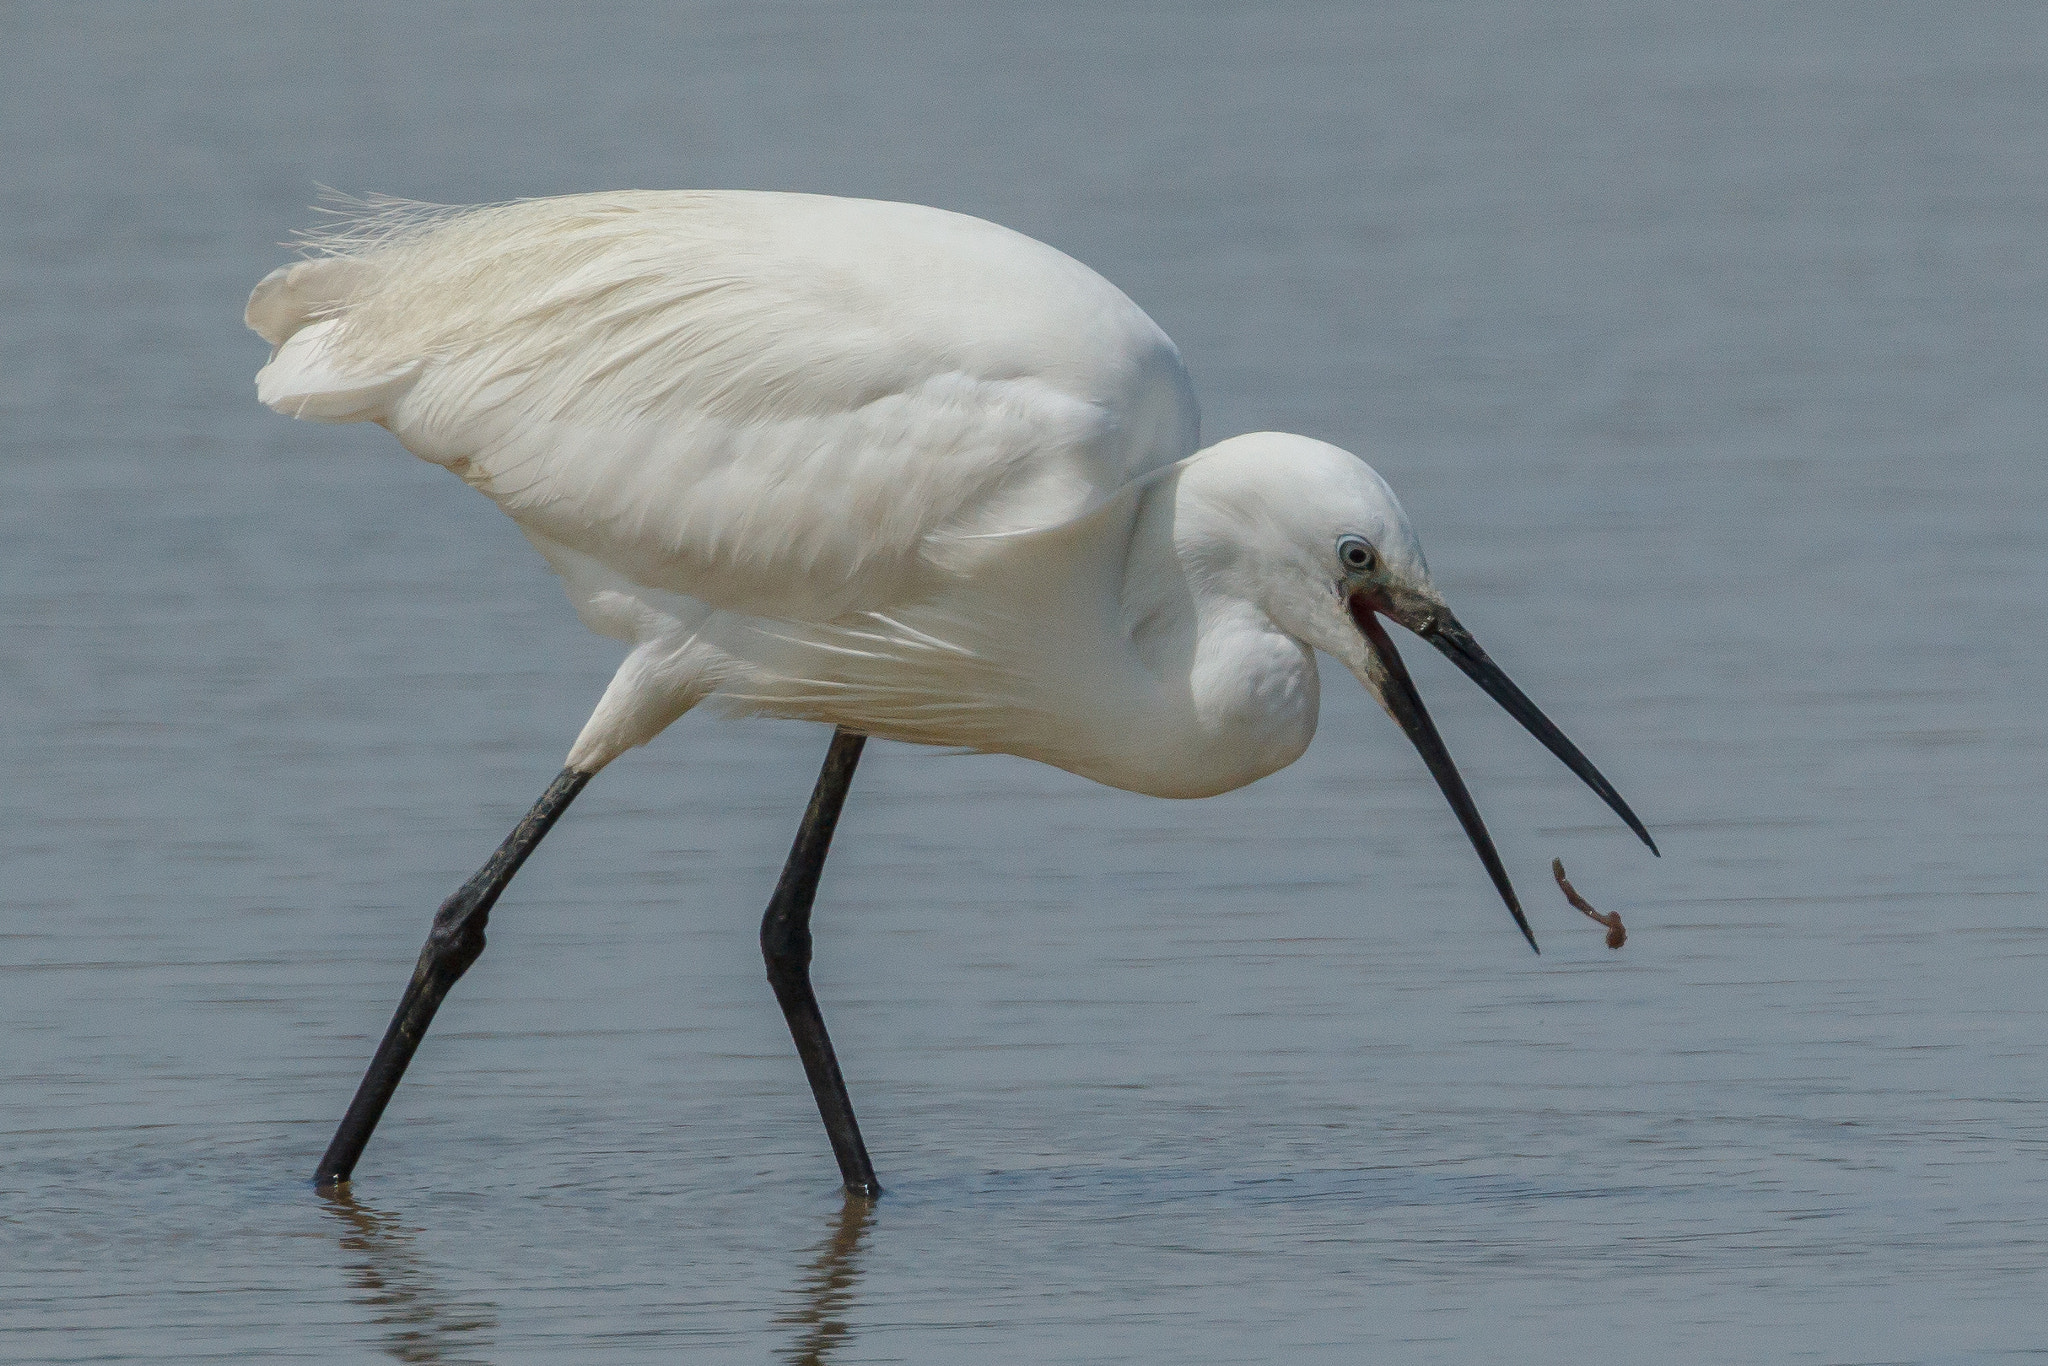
1389	677
1442	630
1397	691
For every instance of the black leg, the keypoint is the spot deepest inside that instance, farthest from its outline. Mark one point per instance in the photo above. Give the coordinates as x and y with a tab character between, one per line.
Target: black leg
455	942
786	944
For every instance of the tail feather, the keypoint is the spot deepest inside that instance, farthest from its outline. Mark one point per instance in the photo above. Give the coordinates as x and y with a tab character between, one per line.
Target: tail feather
297	309
291	297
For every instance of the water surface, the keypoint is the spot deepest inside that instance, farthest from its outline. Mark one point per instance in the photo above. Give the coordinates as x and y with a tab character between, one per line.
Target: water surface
1706	347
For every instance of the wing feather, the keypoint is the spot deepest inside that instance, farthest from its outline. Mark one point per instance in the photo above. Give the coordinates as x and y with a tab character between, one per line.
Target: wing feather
788	406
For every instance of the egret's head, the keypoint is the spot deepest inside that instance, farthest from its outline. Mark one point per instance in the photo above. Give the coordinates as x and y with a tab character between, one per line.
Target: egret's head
1314	536
1299	526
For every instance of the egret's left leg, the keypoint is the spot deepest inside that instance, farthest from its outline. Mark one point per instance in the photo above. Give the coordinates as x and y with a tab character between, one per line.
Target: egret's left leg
454	943
786	944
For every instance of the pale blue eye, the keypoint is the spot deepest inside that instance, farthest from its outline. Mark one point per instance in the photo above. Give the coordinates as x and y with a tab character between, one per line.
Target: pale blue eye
1356	554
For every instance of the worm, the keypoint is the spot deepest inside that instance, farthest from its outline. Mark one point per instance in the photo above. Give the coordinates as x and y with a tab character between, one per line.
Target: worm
1616	935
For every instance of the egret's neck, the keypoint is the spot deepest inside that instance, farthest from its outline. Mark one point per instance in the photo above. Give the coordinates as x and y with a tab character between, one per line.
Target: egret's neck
1228	696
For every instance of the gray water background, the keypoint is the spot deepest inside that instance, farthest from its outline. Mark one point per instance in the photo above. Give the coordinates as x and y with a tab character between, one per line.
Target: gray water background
1706	347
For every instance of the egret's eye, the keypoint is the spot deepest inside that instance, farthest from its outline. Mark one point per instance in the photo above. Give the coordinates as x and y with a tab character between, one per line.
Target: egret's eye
1356	553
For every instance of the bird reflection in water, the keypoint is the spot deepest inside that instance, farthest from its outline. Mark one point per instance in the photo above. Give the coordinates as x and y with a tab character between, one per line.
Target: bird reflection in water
827	1288
419	1324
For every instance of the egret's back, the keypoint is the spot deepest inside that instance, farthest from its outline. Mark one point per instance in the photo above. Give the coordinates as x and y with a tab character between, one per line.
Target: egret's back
788	406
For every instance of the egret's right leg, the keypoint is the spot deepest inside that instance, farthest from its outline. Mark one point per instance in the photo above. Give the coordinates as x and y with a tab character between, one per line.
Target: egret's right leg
454	943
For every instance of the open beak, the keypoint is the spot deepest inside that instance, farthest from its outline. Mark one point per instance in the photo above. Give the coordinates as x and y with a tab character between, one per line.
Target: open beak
1389	679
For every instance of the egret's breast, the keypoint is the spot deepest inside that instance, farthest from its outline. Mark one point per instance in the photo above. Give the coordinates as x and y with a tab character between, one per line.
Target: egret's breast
1245	706
1257	700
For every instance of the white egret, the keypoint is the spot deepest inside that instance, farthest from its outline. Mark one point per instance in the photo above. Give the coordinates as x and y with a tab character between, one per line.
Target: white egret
890	468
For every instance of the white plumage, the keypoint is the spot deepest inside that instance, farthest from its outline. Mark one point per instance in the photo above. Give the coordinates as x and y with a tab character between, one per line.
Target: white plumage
866	463
871	464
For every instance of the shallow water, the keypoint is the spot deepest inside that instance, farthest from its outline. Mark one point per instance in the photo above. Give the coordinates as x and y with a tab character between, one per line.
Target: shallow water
1707	352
